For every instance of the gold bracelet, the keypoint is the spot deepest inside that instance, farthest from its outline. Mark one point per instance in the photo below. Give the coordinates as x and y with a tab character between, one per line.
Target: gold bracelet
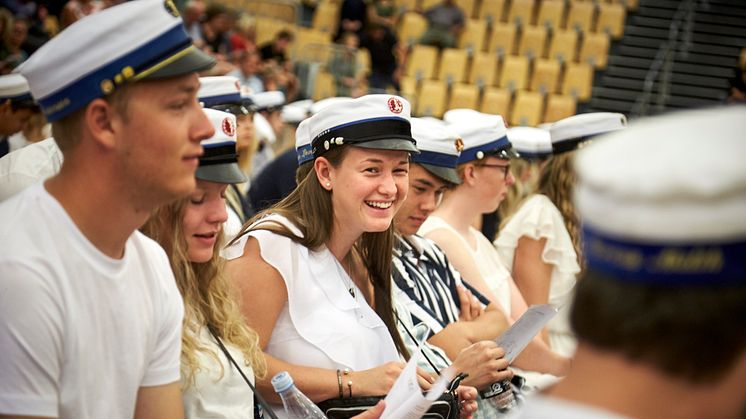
339	382
346	372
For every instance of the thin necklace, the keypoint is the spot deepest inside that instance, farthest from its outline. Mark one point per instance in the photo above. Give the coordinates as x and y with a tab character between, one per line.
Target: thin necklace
347	277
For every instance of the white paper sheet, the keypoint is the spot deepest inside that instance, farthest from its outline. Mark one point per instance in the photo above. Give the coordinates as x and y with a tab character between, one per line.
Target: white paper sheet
515	339
405	399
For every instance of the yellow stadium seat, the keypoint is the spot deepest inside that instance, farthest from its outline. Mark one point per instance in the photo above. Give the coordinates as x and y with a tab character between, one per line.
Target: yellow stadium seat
578	80
533	41
545	78
514	73
323	86
326	17
467	6
432	99
411	28
407	5
502	39
483	69
595	49
564	45
527	109
453	65
580	16
464	96
521	12
611	19
559	107
496	101
426	4
551	13
491	11
473	35
408	90
422	62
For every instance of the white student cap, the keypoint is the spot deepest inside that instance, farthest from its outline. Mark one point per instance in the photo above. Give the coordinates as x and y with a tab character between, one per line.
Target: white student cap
303	147
219	163
294	112
530	143
569	133
663	202
125	43
222	93
372	121
483	135
439	149
268	101
323	103
14	88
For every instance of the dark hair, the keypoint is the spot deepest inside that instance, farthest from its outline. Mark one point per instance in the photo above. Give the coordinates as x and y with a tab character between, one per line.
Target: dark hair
285	34
693	332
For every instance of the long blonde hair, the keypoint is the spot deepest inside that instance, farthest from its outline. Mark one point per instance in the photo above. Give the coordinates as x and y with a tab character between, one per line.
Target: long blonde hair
526	174
309	207
209	298
557	181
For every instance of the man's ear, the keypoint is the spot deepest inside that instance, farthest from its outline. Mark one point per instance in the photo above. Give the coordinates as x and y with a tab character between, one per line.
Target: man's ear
102	120
323	169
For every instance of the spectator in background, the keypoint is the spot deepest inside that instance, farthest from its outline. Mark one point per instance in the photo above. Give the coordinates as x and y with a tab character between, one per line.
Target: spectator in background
343	64
214	30
248	71
352	17
243	36
277	50
445	22
77	9
12	53
737	92
384	13
16	108
383	47
193	14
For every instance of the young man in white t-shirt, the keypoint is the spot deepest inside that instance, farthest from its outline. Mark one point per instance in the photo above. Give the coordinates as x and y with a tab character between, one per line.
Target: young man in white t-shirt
90	317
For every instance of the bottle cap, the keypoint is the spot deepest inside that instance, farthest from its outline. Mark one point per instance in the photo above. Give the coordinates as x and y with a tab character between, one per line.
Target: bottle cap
282	381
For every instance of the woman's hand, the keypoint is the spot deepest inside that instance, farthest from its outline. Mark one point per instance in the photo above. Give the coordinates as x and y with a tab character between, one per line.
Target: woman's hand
484	362
379	380
467	398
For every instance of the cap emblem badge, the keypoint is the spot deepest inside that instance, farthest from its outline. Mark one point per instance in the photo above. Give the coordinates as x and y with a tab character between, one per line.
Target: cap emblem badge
228	128
395	105
459	145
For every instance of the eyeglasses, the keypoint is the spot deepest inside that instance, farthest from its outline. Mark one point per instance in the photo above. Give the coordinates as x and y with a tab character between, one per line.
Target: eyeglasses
505	168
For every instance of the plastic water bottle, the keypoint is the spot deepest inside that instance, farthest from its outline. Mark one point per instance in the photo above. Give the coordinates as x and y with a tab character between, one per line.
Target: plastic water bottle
297	405
499	394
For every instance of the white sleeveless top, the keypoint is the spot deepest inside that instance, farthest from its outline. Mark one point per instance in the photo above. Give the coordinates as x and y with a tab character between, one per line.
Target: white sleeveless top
538	218
218	390
321	325
484	256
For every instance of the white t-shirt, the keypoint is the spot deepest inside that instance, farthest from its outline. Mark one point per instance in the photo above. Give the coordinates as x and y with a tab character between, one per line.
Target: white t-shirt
538	218
321	325
80	332
219	391
28	165
542	407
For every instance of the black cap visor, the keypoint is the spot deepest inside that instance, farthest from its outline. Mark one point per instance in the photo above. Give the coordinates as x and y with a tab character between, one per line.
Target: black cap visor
221	173
447	174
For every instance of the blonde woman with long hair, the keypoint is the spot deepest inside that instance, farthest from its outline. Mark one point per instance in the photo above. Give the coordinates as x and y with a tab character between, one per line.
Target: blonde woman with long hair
190	230
540	243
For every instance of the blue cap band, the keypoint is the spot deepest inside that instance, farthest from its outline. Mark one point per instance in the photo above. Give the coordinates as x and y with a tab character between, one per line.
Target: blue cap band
493	147
665	263
221	99
436	159
94	84
526	155
305	153
26	96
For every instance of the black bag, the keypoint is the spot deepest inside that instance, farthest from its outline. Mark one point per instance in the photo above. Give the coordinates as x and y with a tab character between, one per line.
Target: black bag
446	407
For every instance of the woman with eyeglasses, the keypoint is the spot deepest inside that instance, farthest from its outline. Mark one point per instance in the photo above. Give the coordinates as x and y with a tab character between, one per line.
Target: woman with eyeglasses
484	169
540	243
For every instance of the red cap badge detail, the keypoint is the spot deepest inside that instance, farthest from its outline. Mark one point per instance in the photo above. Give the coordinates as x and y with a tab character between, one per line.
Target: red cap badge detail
228	128
395	105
